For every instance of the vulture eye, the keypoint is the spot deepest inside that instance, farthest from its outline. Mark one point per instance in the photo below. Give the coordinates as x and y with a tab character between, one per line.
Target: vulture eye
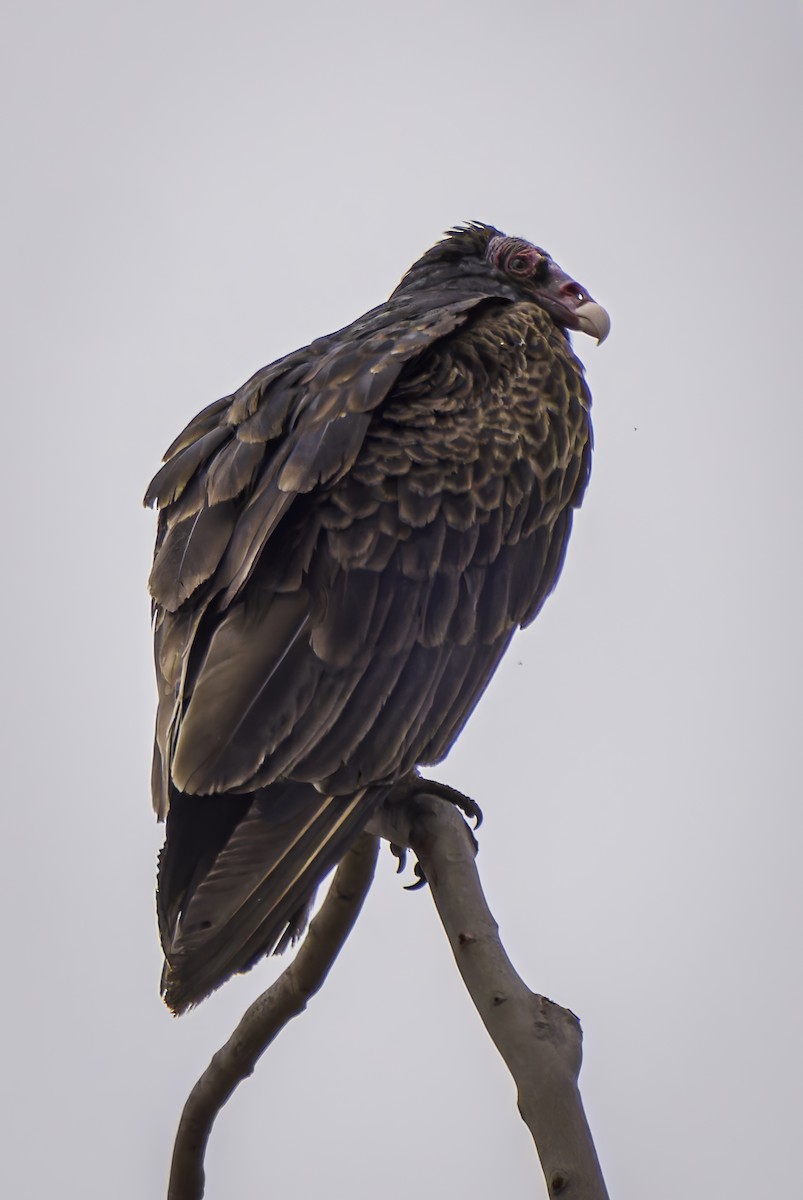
518	263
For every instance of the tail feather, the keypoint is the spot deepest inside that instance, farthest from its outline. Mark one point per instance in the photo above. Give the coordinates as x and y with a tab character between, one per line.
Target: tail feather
237	875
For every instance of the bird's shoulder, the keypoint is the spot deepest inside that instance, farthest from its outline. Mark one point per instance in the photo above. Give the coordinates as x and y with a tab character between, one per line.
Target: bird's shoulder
299	422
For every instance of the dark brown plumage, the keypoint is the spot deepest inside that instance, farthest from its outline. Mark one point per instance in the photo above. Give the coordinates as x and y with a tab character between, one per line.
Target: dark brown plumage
345	548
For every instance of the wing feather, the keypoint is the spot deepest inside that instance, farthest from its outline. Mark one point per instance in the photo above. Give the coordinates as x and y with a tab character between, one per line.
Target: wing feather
169	483
233	469
558	540
242	696
341	636
190	554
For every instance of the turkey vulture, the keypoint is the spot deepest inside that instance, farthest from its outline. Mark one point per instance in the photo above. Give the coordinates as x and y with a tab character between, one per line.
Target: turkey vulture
345	548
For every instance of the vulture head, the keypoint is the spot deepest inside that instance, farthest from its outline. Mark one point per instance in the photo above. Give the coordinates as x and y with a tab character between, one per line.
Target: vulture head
479	255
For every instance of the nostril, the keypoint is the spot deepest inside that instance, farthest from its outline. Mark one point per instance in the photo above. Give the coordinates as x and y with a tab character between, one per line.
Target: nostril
574	290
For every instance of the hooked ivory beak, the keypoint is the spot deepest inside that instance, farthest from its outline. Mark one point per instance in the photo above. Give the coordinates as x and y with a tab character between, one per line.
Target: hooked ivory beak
592	319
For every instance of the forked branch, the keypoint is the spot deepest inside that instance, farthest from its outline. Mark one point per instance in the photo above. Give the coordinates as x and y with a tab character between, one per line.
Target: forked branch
540	1042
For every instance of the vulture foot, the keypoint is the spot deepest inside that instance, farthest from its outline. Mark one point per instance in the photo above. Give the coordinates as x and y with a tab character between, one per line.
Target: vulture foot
413	790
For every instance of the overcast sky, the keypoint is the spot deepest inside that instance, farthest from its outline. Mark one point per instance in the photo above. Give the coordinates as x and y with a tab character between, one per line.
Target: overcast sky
194	189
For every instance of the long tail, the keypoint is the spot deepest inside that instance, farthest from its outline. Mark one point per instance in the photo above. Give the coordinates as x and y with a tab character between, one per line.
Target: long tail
237	875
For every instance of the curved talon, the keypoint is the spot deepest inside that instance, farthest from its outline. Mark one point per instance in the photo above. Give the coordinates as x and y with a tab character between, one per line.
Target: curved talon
471	809
400	853
421	880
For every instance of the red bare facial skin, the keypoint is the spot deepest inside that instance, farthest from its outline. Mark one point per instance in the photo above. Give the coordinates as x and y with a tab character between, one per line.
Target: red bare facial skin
567	302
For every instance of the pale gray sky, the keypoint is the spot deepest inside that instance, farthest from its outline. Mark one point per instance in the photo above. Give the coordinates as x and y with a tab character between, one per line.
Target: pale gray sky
194	189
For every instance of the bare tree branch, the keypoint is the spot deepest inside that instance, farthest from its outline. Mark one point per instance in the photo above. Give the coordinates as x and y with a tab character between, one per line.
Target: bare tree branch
268	1015
540	1042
